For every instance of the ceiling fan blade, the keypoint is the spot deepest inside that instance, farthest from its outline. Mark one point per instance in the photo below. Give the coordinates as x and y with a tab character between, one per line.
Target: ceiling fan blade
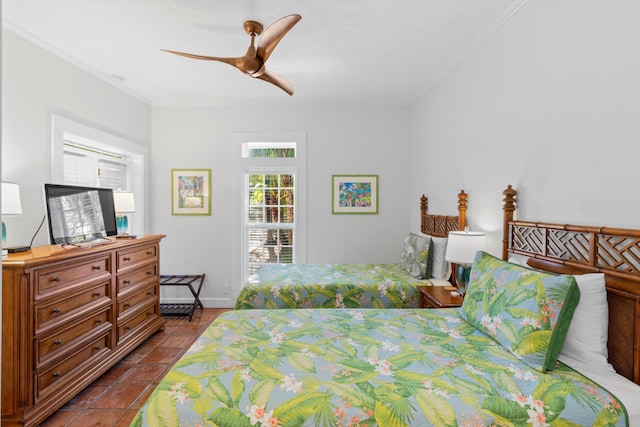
270	38
232	61
273	78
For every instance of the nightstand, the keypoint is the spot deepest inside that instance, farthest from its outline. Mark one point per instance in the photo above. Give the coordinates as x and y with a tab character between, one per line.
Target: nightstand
439	297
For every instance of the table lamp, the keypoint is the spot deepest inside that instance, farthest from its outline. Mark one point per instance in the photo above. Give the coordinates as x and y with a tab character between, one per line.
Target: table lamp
461	249
11	206
124	203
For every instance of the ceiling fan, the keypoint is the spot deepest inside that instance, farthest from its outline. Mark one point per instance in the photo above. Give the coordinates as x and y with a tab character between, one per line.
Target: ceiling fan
253	62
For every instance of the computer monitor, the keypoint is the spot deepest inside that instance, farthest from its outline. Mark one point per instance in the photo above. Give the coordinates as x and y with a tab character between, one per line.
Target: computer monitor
77	214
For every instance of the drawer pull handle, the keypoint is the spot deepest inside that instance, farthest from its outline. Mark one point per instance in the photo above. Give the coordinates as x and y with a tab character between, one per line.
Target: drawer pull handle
126	282
98	321
96	267
149	273
57	310
126	258
97	294
127	328
127	305
149	314
58	342
149	253
149	293
56	375
55	279
96	348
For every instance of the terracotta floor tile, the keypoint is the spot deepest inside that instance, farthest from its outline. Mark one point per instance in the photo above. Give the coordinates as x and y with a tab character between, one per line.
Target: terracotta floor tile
119	396
144	396
113	374
125	420
61	418
86	397
163	355
178	341
143	374
97	418
114	399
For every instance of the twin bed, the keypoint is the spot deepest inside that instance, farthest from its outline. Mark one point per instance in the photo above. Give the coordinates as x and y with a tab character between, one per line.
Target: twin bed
500	359
360	285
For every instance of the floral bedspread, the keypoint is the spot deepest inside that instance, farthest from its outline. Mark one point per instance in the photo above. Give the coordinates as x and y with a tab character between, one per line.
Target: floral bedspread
331	286
365	367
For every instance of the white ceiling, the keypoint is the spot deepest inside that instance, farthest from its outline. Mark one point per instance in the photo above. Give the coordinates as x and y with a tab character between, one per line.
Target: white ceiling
342	52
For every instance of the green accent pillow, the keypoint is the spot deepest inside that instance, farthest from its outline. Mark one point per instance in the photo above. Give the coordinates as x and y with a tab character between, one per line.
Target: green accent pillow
417	256
527	312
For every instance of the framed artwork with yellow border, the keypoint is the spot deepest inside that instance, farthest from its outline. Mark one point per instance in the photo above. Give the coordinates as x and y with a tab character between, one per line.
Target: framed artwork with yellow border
190	191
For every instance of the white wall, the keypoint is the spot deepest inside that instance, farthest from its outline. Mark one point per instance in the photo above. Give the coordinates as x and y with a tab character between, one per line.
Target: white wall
549	103
339	141
36	84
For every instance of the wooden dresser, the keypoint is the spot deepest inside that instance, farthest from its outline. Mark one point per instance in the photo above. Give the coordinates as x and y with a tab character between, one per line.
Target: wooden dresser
68	315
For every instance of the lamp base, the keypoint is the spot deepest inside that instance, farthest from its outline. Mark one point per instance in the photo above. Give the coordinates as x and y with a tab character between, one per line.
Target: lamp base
122	223
462	278
15	249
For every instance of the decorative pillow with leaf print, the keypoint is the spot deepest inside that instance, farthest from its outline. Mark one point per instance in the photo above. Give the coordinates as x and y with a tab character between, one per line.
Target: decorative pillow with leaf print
417	257
528	312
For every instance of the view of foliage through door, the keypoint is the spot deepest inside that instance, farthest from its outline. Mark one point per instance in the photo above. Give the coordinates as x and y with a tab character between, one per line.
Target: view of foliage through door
271	215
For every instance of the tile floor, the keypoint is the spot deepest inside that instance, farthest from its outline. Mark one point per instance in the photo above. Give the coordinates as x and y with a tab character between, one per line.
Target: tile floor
113	399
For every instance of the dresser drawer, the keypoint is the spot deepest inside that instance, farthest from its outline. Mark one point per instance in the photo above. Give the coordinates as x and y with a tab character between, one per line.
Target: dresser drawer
132	258
53	313
139	278
63	340
129	326
66	276
132	301
52	379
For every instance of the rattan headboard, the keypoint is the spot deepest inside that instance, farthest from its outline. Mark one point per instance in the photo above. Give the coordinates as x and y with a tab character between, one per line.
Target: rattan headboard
441	225
576	249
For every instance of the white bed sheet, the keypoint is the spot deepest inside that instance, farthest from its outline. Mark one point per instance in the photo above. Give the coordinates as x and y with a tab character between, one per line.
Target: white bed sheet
627	391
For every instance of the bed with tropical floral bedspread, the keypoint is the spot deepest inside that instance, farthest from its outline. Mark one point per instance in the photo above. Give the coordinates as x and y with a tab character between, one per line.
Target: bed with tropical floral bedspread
491	362
331	286
365	367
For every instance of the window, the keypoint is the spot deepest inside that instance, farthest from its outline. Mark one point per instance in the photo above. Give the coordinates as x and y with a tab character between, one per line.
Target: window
270	223
84	165
84	155
272	168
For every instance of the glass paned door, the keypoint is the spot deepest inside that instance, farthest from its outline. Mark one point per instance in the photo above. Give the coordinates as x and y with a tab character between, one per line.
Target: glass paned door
270	224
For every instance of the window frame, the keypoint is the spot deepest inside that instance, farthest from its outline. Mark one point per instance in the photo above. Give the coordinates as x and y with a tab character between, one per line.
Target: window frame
65	129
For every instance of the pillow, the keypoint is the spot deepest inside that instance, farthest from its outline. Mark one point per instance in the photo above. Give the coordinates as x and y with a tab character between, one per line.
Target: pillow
527	312
441	268
587	337
416	256
588	334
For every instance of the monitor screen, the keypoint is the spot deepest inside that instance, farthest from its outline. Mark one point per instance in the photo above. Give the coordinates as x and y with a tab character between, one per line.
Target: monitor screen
79	214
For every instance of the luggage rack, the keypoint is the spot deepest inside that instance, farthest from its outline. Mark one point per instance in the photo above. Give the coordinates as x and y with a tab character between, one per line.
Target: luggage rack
194	283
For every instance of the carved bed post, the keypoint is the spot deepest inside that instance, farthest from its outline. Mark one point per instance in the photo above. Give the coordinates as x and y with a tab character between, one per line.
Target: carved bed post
462	209
508	208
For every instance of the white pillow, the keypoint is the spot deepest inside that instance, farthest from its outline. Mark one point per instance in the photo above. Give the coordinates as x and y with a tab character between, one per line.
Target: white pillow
588	333
587	338
440	268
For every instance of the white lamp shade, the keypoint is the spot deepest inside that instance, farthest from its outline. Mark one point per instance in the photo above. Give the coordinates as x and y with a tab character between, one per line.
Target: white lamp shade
11	199
463	245
124	202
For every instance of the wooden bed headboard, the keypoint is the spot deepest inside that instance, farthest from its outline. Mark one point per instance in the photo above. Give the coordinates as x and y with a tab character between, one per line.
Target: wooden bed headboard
441	225
577	249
